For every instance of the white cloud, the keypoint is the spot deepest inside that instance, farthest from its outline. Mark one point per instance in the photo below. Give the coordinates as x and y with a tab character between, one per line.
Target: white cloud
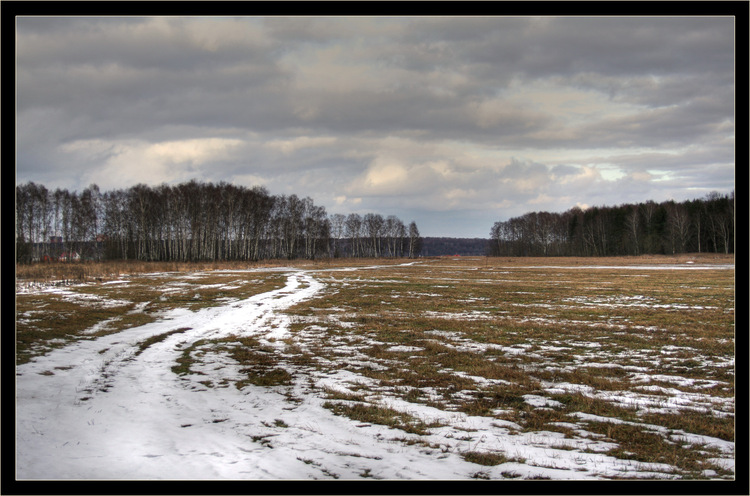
248	180
641	176
122	163
193	151
293	145
384	176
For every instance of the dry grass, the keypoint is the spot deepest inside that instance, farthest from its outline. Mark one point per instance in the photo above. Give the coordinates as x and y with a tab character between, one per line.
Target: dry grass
483	333
472	335
482	458
75	272
51	315
373	414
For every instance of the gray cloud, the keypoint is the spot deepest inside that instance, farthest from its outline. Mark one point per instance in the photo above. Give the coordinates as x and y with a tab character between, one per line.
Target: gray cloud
433	114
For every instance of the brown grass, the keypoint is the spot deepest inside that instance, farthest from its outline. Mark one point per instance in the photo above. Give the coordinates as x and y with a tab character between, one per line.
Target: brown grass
559	321
364	412
71	272
485	332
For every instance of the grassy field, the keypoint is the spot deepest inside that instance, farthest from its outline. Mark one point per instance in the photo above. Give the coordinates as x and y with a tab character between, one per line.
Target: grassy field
641	358
634	353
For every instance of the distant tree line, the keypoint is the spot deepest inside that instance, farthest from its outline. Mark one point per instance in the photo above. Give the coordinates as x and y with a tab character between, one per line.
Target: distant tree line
442	246
196	221
702	225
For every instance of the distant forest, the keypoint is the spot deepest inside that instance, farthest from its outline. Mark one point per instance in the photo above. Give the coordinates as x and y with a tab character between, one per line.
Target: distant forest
196	221
695	226
454	246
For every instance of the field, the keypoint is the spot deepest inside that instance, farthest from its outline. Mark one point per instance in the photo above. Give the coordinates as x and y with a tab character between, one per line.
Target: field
429	369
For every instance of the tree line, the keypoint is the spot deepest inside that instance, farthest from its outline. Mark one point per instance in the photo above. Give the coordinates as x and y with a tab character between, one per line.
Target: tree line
701	225
196	221
442	246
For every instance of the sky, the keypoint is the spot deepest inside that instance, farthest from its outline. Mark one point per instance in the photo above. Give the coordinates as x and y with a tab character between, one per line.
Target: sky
454	122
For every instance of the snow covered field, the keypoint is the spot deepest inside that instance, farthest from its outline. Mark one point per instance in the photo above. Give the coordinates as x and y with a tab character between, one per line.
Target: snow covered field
389	372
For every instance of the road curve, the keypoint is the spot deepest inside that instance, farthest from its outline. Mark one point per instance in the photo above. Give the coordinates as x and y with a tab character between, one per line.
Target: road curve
105	408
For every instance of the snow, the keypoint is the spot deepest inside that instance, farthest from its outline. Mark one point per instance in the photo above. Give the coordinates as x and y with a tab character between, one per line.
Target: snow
641	267
104	408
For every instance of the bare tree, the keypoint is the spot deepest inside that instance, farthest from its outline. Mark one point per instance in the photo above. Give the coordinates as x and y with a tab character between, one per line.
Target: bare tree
337	231
415	241
373	225
353	229
634	227
315	227
189	222
721	220
679	227
115	224
399	238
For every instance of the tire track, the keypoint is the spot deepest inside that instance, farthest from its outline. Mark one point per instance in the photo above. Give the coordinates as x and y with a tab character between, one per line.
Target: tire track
100	408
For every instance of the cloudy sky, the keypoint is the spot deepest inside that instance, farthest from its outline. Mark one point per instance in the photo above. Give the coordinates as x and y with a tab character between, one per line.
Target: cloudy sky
453	122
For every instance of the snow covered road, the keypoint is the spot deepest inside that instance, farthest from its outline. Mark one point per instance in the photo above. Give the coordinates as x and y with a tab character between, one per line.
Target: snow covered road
105	409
